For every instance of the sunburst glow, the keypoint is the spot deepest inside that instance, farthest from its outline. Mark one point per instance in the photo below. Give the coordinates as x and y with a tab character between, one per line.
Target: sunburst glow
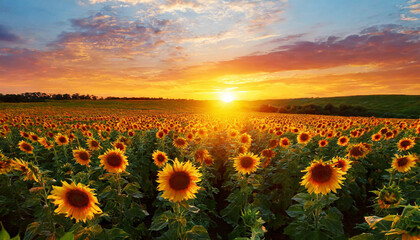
227	97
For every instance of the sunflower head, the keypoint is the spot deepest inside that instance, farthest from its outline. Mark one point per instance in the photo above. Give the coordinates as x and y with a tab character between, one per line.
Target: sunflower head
343	141
245	139
61	139
322	178
26	147
267	153
246	163
200	155
180	142
322	143
303	137
284	142
160	134
76	201
159	158
82	156
5	164
29	171
403	163
114	160
179	181
376	137
93	144
389	196
405	144
344	164
119	145
273	143
358	151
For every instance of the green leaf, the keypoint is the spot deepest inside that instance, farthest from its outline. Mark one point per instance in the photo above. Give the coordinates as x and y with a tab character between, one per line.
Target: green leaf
295	210
198	232
116	233
302	197
4	235
160	222
68	236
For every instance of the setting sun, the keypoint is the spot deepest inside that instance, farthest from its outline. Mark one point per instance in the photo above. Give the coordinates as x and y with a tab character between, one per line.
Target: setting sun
226	97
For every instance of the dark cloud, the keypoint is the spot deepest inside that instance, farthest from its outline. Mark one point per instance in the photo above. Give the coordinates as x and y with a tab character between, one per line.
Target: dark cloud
7	36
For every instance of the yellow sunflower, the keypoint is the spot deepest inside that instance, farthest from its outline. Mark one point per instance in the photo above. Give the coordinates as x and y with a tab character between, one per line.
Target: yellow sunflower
179	182
245	139
246	163
114	160
61	139
403	163
76	201
93	144
284	142
405	144
322	178
180	142
323	143
303	137
342	141
159	158
358	151
5	164
273	143
20	165
344	164
119	145
26	147
82	156
389	196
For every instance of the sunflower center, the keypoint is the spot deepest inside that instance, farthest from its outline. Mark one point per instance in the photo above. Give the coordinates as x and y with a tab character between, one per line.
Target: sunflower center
321	173
340	164
27	147
180	141
62	139
304	137
94	144
114	159
285	142
84	156
179	181
405	143
342	140
160	158
356	151
119	146
247	162
77	198
402	161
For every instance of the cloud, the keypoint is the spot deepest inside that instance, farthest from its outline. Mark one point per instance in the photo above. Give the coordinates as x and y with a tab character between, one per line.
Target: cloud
405	18
7	36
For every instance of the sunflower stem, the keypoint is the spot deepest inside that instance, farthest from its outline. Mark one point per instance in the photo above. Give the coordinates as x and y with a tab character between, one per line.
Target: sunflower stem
390	178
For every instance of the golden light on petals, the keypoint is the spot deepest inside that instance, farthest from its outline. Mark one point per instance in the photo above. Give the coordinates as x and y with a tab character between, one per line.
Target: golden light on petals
179	181
405	144
76	201
322	178
114	160
159	158
403	163
246	163
26	147
82	156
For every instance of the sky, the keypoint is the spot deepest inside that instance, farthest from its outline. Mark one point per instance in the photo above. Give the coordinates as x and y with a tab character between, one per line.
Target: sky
204	49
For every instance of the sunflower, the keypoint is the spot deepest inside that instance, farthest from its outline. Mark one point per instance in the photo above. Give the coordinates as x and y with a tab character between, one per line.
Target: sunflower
303	137
405	144
45	143
344	164
5	164
76	201
357	151
273	143
242	149
389	196
114	160
342	141
200	155
245	139
268	153
403	163
180	142
61	139
246	163
376	137
159	158
178	182
284	142
208	160
119	145
323	143
160	134
93	144
33	137
322	178
20	165
26	147
82	156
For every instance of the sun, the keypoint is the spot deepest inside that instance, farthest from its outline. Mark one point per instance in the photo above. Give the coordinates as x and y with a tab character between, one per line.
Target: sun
226	97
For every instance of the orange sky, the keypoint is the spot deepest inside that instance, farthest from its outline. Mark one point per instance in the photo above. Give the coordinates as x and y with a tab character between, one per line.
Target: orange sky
192	50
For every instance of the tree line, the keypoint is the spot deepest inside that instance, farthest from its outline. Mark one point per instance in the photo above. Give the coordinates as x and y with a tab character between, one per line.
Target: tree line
328	109
42	97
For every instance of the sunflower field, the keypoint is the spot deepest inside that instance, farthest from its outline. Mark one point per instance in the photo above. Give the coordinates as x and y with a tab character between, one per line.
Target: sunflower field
69	173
